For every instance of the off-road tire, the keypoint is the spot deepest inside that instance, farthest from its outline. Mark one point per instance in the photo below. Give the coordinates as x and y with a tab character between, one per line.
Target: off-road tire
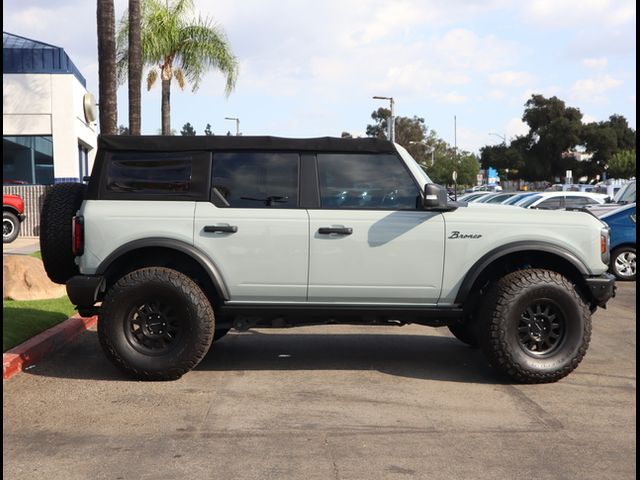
504	312
59	207
144	287
614	257
466	333
12	221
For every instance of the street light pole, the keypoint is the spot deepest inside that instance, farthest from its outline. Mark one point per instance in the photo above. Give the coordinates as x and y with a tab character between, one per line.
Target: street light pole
237	124
392	119
503	137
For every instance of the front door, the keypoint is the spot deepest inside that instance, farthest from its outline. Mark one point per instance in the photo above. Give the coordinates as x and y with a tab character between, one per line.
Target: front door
370	242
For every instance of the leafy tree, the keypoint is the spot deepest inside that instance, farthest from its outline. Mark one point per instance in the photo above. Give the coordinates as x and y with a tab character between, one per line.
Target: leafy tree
623	164
554	130
446	162
188	130
508	160
122	130
207	130
380	128
107	83
604	140
346	135
176	46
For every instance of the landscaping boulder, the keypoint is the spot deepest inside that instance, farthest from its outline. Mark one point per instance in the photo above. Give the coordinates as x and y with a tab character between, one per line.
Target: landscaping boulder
24	278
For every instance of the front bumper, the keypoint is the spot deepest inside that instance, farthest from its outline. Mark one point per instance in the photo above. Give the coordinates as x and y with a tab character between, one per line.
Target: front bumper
602	288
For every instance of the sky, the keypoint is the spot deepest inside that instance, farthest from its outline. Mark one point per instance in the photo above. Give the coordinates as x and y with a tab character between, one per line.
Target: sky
311	68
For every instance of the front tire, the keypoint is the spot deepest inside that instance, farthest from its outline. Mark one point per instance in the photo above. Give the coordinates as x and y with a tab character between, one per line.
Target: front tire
10	227
156	324
536	326
623	263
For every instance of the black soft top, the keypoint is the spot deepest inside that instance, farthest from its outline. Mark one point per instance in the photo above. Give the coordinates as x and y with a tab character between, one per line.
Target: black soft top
158	143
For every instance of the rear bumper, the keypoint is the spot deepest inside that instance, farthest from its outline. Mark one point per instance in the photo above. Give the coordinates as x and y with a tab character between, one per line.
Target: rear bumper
85	290
602	288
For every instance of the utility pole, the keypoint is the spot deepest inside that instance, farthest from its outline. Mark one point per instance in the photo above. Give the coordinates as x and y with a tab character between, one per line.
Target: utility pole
237	120
391	135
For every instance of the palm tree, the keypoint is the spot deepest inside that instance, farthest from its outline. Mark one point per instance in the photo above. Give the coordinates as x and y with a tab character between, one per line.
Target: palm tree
135	66
107	84
175	45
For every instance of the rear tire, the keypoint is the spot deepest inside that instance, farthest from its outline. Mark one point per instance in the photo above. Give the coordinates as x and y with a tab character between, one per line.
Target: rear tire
156	324
536	327
60	205
10	227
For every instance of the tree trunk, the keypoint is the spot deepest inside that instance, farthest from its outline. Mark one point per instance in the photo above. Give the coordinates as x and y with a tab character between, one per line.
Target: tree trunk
107	88
135	67
166	106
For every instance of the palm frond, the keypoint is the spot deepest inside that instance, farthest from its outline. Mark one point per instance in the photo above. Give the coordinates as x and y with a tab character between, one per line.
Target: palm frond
178	73
152	76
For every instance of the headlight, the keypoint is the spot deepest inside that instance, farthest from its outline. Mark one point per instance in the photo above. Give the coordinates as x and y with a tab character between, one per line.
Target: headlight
605	243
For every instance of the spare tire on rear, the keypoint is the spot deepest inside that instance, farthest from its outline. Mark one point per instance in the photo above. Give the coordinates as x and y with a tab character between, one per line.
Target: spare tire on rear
60	205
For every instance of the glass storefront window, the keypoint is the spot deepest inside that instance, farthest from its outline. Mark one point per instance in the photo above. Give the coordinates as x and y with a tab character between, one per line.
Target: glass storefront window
27	159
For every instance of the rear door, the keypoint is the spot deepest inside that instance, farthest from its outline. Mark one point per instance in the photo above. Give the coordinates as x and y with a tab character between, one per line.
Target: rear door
370	243
252	228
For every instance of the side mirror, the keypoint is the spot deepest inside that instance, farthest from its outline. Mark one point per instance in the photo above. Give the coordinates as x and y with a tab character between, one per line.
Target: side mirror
435	197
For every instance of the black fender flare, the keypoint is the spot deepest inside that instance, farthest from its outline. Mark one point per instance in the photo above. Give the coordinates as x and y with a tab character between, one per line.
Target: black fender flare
196	254
476	270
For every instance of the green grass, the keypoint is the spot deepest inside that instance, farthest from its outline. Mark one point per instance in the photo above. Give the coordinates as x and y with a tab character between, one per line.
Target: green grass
36	254
22	320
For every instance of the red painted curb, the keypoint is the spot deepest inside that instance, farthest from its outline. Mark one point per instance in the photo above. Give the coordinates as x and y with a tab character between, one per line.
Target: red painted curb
36	348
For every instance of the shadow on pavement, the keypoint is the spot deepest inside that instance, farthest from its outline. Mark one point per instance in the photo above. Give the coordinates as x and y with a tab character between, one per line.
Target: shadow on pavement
413	356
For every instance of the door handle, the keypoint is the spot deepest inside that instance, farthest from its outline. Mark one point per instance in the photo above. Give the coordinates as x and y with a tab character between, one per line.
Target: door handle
220	229
336	230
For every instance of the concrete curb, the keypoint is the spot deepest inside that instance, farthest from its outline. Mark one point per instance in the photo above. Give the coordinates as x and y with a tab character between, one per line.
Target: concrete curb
36	348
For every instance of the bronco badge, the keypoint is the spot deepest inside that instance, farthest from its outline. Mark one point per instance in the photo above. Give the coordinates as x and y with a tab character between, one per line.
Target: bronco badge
457	234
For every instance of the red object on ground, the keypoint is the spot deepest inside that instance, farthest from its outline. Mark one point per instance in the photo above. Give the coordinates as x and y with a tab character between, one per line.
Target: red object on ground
35	349
14	202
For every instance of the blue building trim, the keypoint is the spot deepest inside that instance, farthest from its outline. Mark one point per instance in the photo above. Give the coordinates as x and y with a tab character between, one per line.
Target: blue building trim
24	55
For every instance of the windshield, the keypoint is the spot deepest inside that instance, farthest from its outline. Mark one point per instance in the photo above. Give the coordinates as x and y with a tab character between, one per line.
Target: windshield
416	169
516	198
626	194
529	200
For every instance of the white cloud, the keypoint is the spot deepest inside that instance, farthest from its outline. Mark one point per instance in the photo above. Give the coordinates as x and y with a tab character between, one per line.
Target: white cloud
586	118
591	90
565	13
516	127
596	63
510	78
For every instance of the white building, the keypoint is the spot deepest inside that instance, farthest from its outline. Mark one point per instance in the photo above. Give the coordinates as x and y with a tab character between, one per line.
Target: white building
48	128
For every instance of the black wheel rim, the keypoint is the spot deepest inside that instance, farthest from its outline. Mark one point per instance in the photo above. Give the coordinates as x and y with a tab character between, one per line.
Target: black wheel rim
542	328
7	227
155	327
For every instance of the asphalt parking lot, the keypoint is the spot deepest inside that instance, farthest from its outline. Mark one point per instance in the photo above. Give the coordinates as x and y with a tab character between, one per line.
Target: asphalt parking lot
331	402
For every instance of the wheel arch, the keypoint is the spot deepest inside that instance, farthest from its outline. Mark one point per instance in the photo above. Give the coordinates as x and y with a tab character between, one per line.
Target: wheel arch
169	253
10	209
511	257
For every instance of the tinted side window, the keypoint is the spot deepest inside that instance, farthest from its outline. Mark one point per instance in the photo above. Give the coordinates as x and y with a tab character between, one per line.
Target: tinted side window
365	181
577	202
150	173
256	180
550	204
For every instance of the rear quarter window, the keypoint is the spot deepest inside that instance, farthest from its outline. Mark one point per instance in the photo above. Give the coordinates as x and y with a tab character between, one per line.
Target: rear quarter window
156	176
